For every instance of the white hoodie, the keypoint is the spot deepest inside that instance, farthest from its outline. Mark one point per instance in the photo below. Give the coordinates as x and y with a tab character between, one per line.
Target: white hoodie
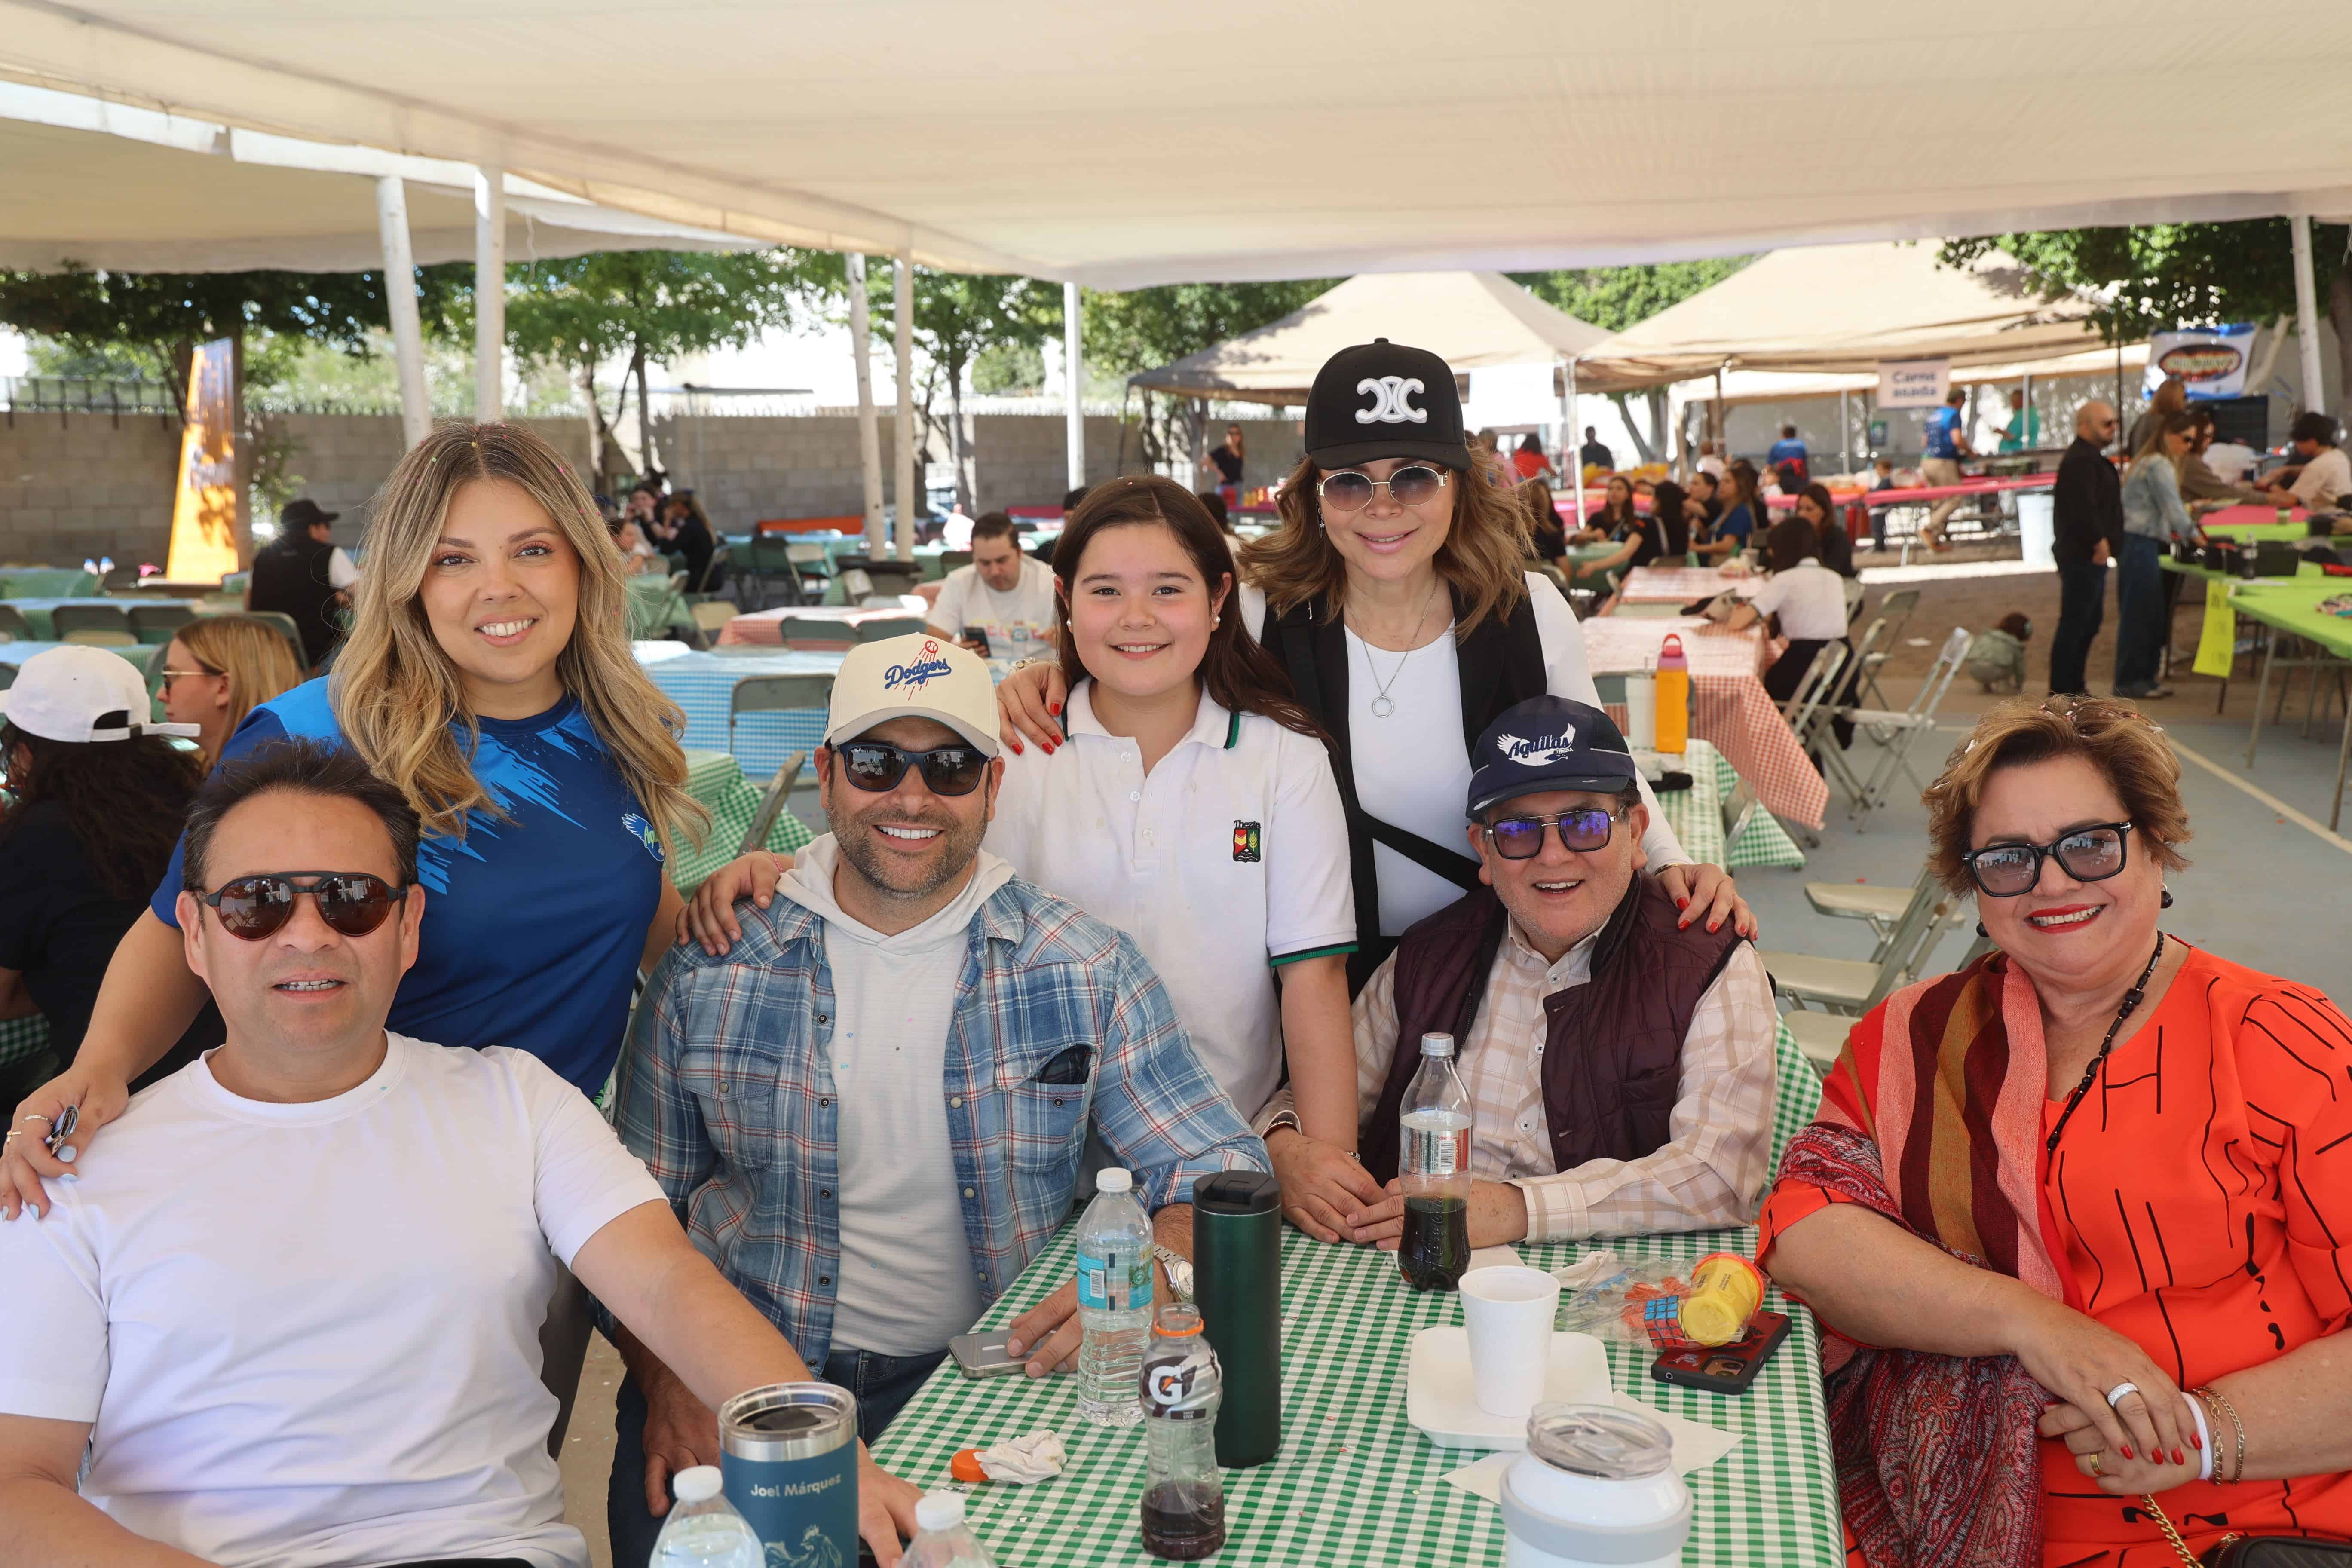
906	1283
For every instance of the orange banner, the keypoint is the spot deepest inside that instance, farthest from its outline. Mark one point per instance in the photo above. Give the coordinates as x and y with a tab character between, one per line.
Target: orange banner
203	510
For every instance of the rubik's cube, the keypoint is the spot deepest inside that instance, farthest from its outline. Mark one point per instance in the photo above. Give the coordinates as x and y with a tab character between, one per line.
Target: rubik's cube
1662	1318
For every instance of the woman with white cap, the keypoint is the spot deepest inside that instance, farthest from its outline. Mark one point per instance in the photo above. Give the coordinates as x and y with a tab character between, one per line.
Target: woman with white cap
99	796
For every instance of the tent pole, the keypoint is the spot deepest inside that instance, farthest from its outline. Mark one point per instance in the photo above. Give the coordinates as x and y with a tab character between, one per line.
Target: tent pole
1073	383
869	427
1571	453
2306	318
490	292
2025	411
400	304
909	482
1845	431
1722	425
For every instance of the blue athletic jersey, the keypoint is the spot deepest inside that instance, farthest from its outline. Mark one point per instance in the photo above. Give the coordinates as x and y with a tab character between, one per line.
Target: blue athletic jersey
1737	524
534	922
1787	451
1941	427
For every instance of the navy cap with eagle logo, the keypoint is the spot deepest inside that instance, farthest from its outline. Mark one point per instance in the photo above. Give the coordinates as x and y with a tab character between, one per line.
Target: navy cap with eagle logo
1381	399
1548	743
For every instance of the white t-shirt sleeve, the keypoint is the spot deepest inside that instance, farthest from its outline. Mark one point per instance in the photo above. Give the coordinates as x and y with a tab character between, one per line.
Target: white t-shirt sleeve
2323	478
585	1179
947	614
340	571
53	1356
1310	904
1566	673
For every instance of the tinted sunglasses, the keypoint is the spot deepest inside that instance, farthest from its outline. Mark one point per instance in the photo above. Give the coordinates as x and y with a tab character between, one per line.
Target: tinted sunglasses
876	766
1585	829
1409	486
2087	855
352	902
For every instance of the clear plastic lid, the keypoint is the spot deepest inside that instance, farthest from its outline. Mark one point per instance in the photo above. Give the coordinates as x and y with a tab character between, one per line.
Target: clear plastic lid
1434	1045
939	1510
1113	1180
1599	1440
700	1484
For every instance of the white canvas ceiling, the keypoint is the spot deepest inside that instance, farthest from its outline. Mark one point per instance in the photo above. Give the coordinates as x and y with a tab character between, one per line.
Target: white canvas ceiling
1229	139
105	186
1473	321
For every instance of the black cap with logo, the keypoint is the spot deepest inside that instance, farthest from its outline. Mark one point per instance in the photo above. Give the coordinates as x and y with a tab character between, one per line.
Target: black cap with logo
1548	743
1381	399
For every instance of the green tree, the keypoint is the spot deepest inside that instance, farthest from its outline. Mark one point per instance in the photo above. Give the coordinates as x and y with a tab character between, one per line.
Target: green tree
1147	327
2157	277
647	305
1613	299
960	317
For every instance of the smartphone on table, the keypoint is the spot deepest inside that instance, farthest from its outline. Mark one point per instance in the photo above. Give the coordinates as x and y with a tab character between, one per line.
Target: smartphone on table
1725	1369
984	1355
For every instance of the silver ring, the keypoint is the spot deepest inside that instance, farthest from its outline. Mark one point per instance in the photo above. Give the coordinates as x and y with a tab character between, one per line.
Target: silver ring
32	1115
2114	1394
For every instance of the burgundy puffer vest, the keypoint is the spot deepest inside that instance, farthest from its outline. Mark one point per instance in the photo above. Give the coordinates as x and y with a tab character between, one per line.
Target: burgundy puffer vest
1613	1056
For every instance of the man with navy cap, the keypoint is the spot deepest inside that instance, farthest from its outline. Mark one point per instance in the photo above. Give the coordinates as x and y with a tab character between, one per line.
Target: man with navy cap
1620	1066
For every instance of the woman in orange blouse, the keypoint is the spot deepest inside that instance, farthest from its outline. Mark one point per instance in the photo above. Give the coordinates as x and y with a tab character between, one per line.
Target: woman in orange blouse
2079	1216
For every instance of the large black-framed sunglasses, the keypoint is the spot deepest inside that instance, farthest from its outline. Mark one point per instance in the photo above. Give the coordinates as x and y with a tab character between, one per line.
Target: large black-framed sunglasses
353	904
1349	491
1584	829
877	766
2090	854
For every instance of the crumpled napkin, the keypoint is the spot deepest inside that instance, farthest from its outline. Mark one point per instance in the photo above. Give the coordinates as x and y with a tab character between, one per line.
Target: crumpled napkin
1023	1461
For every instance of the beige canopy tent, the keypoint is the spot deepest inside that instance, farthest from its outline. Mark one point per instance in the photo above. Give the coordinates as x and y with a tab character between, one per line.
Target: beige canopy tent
1473	321
1844	309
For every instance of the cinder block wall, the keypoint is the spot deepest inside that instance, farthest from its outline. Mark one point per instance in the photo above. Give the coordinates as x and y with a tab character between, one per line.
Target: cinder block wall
79	486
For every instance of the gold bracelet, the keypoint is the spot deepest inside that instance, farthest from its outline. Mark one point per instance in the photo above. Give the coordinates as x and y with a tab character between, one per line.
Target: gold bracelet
2238	1467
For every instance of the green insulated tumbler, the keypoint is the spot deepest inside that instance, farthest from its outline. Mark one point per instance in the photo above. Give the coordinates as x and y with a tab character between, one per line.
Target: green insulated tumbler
1237	1280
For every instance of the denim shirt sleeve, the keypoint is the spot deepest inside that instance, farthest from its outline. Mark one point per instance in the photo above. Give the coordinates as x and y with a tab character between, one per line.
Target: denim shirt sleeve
1155	1105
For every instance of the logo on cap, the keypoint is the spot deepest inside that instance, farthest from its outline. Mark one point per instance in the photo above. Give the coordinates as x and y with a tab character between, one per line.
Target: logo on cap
1389	404
925	667
1542	752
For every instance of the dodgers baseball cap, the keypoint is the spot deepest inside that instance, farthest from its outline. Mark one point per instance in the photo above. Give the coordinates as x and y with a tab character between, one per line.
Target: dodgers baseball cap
914	676
1379	400
81	695
1548	743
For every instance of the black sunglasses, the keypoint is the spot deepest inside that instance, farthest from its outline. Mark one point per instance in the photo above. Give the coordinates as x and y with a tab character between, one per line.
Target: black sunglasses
352	902
876	766
1585	829
1349	491
2088	855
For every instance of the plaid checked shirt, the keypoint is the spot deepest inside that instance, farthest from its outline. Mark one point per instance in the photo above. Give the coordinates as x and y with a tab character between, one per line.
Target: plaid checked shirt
727	1093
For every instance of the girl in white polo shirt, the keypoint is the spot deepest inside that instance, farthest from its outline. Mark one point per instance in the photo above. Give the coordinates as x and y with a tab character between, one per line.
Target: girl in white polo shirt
1810	599
1192	803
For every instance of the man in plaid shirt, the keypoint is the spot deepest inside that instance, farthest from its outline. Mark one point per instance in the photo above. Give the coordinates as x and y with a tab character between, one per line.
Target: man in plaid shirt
1619	1066
870	1106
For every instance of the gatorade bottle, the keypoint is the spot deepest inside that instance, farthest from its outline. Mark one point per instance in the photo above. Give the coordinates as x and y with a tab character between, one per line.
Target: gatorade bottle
1674	697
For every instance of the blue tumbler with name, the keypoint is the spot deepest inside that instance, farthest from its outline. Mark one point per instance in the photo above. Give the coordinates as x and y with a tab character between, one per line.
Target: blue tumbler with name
789	1454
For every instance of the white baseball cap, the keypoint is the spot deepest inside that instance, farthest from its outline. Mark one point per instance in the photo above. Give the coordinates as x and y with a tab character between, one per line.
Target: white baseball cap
915	677
82	694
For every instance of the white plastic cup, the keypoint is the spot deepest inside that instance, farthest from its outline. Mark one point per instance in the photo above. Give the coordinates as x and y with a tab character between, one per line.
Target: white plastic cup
1642	711
1508	1311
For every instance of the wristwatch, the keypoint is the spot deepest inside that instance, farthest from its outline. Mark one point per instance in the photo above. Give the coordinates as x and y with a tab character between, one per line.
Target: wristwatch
1180	1271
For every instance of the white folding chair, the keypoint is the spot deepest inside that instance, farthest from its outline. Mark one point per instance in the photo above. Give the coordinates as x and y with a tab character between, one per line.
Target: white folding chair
1852	985
1852	599
775	693
1895	609
1896	732
1881	906
1740	808
780	789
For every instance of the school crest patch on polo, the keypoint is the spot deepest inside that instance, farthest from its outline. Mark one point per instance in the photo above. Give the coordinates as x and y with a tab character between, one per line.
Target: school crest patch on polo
1245	842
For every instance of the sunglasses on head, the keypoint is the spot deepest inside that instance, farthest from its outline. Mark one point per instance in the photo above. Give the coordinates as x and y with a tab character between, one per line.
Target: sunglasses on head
1584	829
1349	491
353	904
877	766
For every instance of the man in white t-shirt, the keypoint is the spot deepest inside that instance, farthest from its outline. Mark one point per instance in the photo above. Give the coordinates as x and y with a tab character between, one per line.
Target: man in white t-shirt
293	1312
2323	473
1002	605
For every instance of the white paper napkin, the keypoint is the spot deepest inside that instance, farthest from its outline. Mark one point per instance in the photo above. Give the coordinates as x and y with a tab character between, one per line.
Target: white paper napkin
1697	1446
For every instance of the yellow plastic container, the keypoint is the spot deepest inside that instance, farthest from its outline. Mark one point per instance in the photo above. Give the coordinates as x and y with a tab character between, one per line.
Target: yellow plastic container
1674	697
1725	1291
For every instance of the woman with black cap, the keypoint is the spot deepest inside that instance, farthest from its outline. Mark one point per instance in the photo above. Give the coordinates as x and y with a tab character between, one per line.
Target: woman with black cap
1394	594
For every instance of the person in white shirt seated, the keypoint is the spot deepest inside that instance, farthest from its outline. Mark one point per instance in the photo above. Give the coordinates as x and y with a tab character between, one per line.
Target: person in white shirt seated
1002	605
1810	599
2324	475
293	1317
1619	1067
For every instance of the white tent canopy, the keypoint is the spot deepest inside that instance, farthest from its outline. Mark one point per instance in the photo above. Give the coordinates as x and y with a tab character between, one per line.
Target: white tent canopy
87	182
1845	309
1473	321
1229	139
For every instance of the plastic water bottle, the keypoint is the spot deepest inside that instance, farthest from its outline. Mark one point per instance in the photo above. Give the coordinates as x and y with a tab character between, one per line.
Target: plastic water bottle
942	1540
703	1530
1182	1386
1433	1168
1114	1300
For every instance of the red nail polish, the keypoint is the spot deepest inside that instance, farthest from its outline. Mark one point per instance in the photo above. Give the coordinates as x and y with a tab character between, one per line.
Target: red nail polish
1055	708
2197	1443
2127	1453
2178	1458
1681	903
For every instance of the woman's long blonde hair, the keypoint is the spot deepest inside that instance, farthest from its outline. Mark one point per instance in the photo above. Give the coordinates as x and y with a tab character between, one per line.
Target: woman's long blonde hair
252	655
1482	560
396	693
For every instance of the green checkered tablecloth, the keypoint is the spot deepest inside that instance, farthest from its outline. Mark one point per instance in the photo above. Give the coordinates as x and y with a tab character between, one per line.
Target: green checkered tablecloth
713	778
1355	1484
1697	817
22	1040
